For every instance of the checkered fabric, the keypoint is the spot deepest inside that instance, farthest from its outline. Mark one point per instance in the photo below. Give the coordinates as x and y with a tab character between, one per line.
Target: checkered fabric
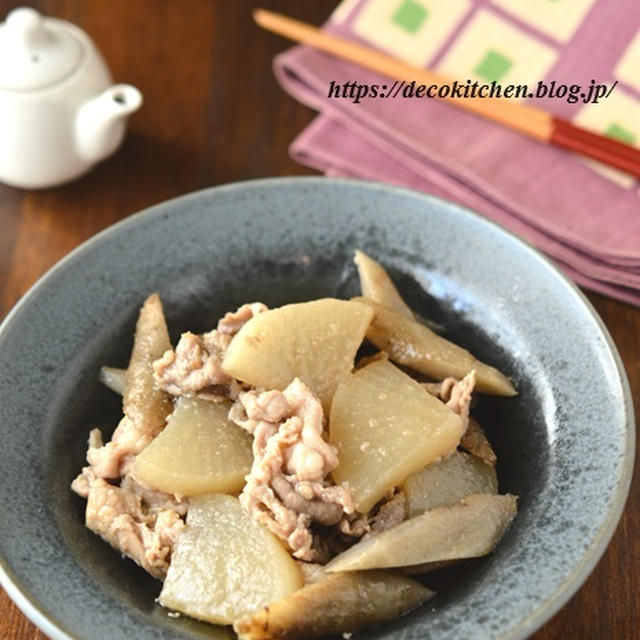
584	215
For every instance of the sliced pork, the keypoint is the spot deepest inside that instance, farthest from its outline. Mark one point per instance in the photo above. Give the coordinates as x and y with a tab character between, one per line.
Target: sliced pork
233	321
119	516
195	367
288	487
456	394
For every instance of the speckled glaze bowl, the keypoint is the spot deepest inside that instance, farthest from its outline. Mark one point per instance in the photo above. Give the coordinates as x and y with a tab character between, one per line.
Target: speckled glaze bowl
565	444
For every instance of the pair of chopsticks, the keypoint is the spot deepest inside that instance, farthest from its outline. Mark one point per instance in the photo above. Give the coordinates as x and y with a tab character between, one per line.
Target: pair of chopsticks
530	121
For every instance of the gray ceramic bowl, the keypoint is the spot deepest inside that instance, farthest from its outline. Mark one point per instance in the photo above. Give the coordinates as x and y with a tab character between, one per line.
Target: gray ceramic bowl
565	444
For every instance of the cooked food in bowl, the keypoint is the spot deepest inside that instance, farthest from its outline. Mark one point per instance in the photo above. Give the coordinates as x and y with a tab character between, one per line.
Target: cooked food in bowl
275	481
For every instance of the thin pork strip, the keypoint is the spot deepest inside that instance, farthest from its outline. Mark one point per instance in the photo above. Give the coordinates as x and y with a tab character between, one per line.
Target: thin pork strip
104	459
195	366
154	500
233	321
127	441
460	397
456	394
288	488
116	514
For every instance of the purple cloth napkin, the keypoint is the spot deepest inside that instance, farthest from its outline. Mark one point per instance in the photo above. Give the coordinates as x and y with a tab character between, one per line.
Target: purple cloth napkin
589	224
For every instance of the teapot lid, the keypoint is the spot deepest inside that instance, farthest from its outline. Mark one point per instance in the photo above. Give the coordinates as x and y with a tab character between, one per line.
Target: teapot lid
35	52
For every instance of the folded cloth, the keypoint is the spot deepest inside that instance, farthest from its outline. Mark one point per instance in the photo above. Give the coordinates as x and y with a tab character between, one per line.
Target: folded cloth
583	216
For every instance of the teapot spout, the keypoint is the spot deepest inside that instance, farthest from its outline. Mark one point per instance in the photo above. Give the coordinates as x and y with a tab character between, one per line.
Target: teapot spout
100	122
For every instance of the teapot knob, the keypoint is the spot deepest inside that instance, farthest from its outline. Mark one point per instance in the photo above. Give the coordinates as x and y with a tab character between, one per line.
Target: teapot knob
26	26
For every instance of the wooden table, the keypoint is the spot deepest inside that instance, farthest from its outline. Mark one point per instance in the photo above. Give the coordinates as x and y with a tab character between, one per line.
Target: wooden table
213	114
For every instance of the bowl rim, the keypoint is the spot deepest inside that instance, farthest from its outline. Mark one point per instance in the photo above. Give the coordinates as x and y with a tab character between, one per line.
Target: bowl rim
606	528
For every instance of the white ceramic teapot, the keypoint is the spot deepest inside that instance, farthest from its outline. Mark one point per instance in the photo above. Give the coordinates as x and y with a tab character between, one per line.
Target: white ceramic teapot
59	112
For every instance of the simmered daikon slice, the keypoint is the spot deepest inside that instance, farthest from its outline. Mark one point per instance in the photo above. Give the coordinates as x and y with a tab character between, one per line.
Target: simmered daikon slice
199	451
314	341
225	564
386	427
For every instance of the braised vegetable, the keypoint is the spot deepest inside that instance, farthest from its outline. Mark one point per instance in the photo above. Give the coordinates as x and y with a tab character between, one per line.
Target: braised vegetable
199	451
468	529
447	481
376	285
143	403
386	427
410	343
314	341
338	603
226	565
476	442
113	378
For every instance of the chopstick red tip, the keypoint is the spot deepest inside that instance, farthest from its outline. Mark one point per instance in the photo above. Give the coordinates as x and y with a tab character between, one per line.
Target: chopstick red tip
599	147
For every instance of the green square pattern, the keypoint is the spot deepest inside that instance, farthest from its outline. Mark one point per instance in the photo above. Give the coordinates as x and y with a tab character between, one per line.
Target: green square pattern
620	133
493	66
410	15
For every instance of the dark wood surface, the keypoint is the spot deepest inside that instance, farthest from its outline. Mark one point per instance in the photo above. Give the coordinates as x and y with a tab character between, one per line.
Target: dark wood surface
213	113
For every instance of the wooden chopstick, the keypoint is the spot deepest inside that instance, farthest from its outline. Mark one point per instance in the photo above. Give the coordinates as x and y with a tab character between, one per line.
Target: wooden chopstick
528	120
